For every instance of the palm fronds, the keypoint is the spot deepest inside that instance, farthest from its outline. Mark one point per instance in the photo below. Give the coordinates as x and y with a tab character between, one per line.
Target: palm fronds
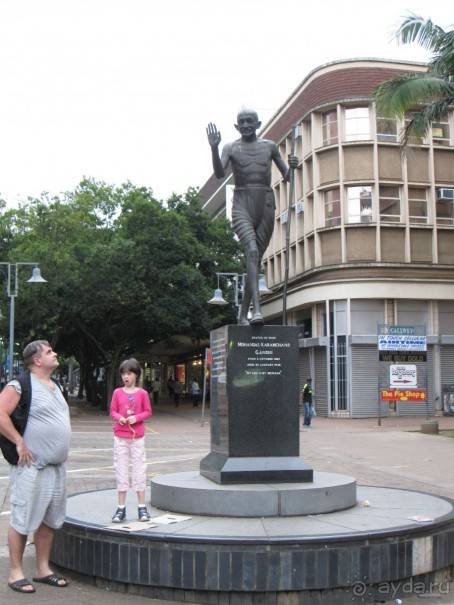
427	95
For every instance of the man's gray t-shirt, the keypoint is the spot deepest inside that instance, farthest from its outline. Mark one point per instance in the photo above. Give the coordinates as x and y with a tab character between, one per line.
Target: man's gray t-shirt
48	431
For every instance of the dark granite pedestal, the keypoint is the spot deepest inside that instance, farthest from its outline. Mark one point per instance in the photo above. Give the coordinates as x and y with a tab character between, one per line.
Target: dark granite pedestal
254	407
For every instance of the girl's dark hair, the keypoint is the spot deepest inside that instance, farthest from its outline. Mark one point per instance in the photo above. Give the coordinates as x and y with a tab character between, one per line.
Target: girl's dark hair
131	365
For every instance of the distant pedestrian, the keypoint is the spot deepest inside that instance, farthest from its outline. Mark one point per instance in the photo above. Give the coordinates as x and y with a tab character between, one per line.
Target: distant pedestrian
195	393
170	386
156	388
177	388
306	396
129	408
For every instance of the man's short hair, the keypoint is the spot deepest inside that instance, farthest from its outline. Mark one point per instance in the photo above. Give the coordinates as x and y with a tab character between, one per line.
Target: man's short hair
32	350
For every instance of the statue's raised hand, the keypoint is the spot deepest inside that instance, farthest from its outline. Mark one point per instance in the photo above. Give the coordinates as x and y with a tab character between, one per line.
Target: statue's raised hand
214	136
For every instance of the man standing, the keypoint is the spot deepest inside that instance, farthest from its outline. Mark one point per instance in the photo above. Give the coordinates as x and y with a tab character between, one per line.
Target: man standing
156	387
38	481
307	403
195	393
177	388
253	207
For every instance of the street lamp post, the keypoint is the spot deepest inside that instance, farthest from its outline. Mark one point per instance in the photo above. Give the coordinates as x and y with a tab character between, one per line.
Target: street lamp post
12	291
1	355
218	299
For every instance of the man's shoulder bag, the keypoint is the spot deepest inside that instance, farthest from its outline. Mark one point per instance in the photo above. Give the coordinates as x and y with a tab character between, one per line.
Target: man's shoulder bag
19	417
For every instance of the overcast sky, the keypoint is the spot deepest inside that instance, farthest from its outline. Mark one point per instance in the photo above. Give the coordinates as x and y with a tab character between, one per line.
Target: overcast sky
123	90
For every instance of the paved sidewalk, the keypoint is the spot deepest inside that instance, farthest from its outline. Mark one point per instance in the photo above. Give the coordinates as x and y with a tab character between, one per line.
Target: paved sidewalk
395	454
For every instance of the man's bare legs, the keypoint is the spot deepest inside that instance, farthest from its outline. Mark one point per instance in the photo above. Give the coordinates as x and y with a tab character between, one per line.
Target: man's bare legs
16	544
43	538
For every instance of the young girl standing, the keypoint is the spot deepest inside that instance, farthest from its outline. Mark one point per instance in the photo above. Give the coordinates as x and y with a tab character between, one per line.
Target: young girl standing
129	408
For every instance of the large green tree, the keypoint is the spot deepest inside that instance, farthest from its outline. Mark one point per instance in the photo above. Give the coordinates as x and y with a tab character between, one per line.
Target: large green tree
431	92
123	270
59	233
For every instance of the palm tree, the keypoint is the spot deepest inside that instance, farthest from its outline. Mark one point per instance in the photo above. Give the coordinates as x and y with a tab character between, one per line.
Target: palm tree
431	92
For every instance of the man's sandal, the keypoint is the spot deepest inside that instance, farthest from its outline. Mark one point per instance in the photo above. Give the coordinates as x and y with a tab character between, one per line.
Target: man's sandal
53	579
21	585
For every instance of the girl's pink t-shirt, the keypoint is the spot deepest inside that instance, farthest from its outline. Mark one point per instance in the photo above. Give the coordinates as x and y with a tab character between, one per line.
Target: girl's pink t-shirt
130	404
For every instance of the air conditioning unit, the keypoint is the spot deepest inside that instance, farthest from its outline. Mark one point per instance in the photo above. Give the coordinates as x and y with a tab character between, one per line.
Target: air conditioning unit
284	217
445	194
299	207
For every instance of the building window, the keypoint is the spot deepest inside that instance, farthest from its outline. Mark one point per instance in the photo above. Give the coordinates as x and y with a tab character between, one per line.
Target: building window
338	373
357	125
412	312
365	204
440	132
365	314
332	207
417	205
390	204
446	316
440	129
386	130
329	128
445	206
408	117
304	323
359	201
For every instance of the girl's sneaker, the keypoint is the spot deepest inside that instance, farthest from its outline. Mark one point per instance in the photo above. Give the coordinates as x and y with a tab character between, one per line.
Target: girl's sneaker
120	515
144	515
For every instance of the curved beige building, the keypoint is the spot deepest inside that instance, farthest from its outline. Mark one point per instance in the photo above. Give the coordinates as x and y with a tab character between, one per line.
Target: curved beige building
371	240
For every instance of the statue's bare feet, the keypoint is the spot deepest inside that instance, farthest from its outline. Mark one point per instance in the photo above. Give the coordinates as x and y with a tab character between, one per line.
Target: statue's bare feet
257	319
243	321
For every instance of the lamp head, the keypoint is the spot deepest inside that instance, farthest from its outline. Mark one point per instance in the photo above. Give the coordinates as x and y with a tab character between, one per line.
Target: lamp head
263	289
217	298
36	276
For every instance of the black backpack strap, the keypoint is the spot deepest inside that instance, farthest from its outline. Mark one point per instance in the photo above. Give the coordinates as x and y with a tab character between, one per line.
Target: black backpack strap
19	418
20	415
57	382
60	388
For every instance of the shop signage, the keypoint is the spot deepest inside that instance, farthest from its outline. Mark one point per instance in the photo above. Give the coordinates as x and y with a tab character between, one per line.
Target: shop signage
401	357
402	376
399	342
408	330
403	395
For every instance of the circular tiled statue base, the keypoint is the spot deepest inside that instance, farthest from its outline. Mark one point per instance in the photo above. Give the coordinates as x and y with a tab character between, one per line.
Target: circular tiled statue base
368	552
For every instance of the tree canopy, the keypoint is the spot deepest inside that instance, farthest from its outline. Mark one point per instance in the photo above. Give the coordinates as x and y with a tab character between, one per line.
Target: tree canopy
122	268
429	93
